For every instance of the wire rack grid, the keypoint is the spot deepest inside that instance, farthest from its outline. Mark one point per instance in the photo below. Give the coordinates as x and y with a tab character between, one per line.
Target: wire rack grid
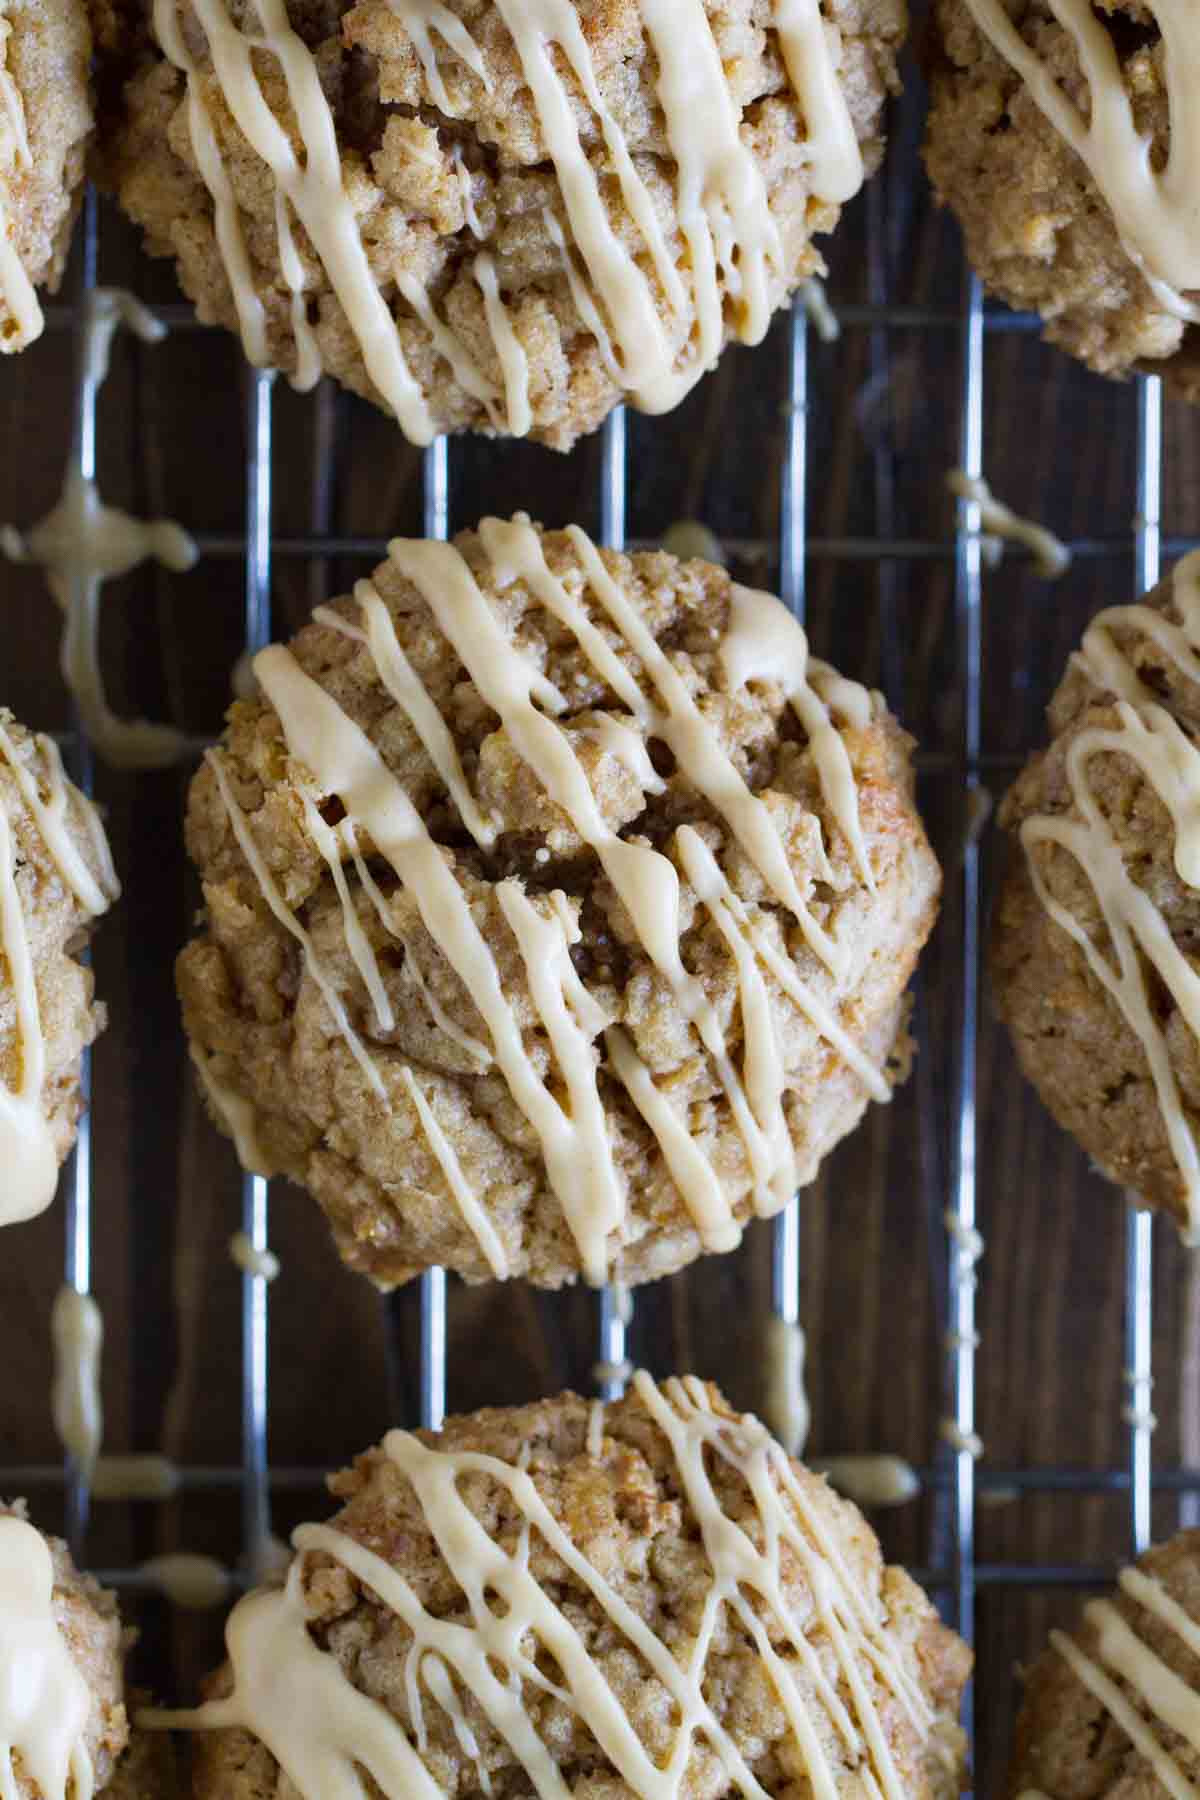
951	1570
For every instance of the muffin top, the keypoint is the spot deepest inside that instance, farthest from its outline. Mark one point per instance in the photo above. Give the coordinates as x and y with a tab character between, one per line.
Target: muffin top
559	909
45	123
1060	134
56	876
1110	1708
1096	954
490	216
568	1597
63	1721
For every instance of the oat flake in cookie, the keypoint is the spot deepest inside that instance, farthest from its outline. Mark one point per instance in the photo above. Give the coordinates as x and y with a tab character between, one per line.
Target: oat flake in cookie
56	879
496	216
1095	944
645	1599
45	124
559	910
1114	1706
1063	135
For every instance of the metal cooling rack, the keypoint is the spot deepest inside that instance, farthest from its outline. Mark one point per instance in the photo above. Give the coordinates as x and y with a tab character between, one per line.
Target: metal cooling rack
953	1572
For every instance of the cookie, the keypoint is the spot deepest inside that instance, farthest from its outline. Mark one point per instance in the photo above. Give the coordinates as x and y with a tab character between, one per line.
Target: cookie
1094	955
1092	225
45	124
1107	1706
575	1598
62	1651
491	219
559	910
56	879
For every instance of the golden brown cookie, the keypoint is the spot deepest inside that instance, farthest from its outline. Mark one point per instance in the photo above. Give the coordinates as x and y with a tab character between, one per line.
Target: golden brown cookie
1103	1705
559	914
56	878
635	1598
1096	939
45	124
63	1644
493	219
1055	220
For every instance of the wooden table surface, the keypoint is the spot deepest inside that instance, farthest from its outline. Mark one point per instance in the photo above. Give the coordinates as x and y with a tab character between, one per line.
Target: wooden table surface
882	429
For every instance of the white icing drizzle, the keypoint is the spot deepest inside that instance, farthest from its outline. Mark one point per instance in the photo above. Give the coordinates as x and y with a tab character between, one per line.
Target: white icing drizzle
250	1261
236	1114
691	539
764	642
295	1698
16	290
786	1407
81	544
188	1580
139	1477
44	1699
958	1439
1121	1655
27	1152
1051	558
872	1480
595	1430
77	1333
1153	207
1148	735
732	243
820	314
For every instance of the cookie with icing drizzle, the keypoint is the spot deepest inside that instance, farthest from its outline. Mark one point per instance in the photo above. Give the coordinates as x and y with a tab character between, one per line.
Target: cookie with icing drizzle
45	126
56	879
560	910
1094	955
499	216
1063	136
1114	1705
568	1598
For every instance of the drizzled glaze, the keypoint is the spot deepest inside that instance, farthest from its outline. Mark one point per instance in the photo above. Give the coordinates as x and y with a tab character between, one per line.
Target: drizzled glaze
44	1699
77	1332
16	290
1169	760
763	643
27	1153
1121	1660
1153	207
786	1407
732	246
295	1698
1051	558
81	543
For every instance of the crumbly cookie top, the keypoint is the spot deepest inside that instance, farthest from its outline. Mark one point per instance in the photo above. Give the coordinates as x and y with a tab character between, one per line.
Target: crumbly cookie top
645	1598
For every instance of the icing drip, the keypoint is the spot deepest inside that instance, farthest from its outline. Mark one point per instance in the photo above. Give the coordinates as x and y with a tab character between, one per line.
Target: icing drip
25	321
295	1698
77	1332
1123	1661
44	1699
820	314
763	643
786	1409
263	1263
878	1480
27	1151
688	538
1148	735
145	1477
190	1581
1051	558
81	543
236	1114
724	216
1153	206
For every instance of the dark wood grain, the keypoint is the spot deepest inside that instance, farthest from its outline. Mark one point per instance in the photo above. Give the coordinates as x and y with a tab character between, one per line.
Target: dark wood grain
883	428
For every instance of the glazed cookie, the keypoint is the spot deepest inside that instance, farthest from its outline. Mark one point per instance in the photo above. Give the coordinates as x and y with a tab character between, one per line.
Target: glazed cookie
1112	1707
62	1652
559	910
56	878
1094	953
45	124
495	218
1058	134
646	1598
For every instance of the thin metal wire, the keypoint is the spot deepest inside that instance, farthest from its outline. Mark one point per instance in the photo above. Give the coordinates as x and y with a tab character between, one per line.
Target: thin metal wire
962	1246
436	481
